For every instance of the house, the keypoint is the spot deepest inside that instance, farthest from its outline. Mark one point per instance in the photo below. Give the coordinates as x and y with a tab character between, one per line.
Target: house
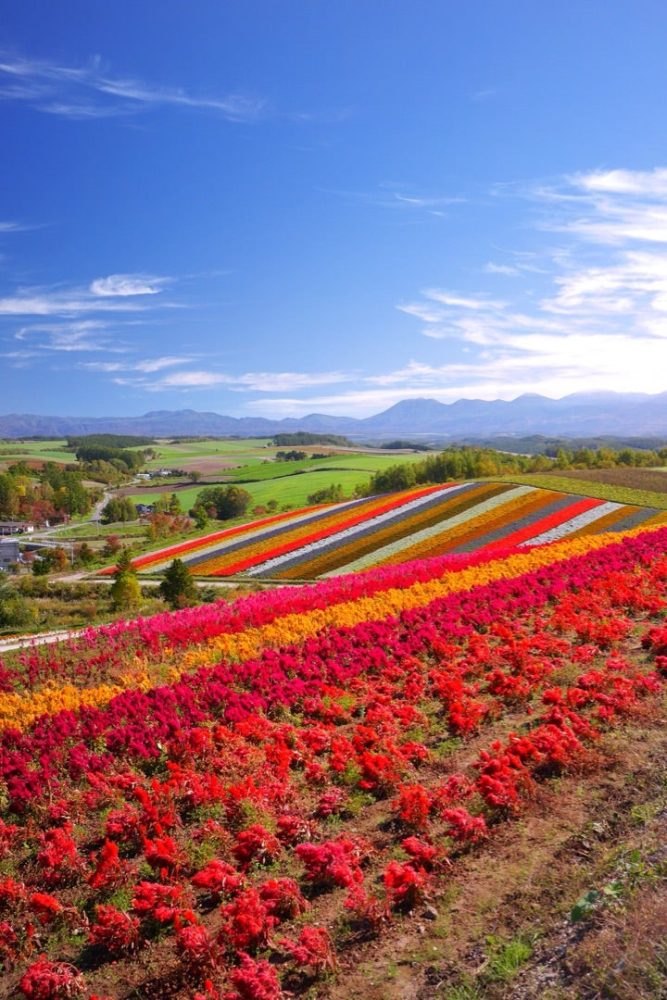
9	554
144	508
16	527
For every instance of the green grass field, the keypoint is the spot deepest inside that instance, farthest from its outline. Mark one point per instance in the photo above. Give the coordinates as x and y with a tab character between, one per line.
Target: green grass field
334	463
27	451
238	452
287	490
601	491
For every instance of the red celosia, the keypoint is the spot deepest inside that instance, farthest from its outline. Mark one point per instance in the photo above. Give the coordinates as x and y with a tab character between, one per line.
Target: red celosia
247	922
413	806
115	931
283	898
45	906
152	899
197	950
256	844
335	862
109	867
405	885
254	981
314	949
463	827
46	980
219	879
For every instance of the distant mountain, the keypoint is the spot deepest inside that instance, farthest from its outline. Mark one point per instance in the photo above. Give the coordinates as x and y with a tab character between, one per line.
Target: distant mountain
574	416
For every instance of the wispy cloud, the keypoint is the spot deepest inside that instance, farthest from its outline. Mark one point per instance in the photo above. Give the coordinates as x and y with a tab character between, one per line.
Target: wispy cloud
101	295
244	382
84	317
8	226
125	285
146	365
400	198
93	91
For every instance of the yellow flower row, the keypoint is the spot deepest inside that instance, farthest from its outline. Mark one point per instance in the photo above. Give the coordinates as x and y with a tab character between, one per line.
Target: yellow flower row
19	711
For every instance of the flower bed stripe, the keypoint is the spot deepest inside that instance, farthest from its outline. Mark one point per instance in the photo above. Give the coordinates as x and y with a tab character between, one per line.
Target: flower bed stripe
641	516
291	543
516	505
560	511
416	540
397	518
254	531
335	560
164	555
573	524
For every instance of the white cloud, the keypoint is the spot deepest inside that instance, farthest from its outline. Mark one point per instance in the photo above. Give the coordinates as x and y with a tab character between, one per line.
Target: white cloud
26	303
601	320
244	382
636	182
127	284
91	91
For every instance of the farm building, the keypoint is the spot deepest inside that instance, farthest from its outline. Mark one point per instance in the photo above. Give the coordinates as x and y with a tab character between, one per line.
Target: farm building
9	554
16	527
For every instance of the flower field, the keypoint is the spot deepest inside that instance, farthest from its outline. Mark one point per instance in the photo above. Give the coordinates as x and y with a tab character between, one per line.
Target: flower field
227	801
343	538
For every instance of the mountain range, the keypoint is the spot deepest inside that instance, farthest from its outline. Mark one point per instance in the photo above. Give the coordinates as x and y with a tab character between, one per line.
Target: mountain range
576	415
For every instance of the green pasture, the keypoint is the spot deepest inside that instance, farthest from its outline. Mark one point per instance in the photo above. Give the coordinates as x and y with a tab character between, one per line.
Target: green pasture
239	452
292	491
44	451
332	463
583	487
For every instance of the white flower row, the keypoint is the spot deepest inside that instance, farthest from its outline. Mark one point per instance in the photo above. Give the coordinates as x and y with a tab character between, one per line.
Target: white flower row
393	548
346	533
574	524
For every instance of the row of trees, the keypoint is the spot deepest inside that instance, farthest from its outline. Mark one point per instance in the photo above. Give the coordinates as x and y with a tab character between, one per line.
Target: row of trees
177	588
472	463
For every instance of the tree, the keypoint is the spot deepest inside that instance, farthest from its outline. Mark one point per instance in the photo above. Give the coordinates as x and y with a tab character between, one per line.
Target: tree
200	516
15	611
118	509
195	475
111	546
178	588
226	501
84	555
125	590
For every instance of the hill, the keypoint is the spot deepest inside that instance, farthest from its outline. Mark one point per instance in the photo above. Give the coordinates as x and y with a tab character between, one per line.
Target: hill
454	519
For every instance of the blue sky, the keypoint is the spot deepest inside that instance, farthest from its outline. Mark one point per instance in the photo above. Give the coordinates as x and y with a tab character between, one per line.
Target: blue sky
267	208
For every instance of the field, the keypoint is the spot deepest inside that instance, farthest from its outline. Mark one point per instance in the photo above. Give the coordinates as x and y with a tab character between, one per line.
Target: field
280	483
654	480
383	530
629	486
443	778
34	452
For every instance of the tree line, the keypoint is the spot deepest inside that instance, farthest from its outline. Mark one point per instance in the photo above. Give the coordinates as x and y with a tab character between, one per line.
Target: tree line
468	462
